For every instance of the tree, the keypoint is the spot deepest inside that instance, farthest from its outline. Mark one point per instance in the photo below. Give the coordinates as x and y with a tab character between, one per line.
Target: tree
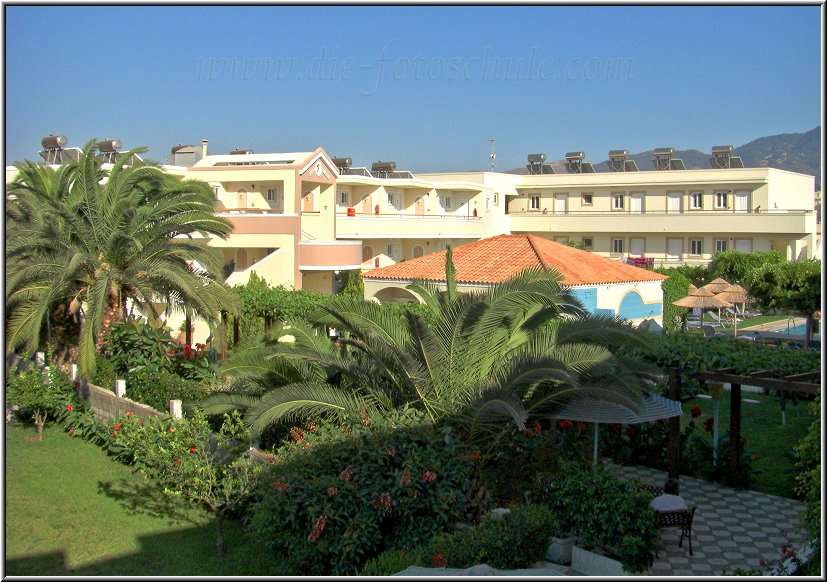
92	238
793	286
189	461
734	266
352	284
522	347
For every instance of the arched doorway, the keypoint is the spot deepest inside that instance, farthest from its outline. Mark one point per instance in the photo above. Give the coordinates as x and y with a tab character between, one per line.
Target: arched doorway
418	251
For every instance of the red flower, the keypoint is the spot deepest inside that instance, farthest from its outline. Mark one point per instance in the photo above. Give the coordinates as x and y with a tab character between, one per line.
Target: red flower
385	498
332	491
281	485
129	413
187	352
71	431
391	451
317	529
118	426
537	426
428	476
177	461
171	351
439	561
141	422
69	407
193	450
564	424
296	434
631	432
615	426
114	434
762	562
346	474
695	411
581	426
475	455
169	429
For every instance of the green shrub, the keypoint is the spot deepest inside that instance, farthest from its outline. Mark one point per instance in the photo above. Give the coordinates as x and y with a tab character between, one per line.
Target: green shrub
156	389
340	493
674	288
808	464
105	374
605	512
40	392
392	561
516	540
133	344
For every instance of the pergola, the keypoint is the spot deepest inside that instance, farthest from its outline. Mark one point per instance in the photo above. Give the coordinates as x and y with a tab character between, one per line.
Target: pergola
807	383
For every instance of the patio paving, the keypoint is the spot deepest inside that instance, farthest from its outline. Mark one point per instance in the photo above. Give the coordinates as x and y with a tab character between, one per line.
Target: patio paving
732	528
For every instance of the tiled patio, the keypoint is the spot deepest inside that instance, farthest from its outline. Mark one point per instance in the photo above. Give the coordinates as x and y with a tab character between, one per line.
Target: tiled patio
732	528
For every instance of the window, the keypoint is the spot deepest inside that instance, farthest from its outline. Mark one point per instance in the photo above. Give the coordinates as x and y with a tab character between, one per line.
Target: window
588	242
722	199
617	201
721	245
587	198
215	192
487	203
271	194
392	199
447	203
696	246
534	202
617	245
496	198
696	200
344	198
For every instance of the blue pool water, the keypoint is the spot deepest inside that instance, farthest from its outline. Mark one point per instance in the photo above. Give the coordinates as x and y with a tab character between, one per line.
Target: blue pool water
801	329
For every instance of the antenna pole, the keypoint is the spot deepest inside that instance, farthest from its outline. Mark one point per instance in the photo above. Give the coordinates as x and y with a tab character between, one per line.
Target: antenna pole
492	155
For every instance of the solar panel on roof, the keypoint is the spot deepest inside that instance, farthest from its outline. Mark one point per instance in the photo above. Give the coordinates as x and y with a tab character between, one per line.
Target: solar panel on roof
547	169
630	166
587	168
736	162
676	165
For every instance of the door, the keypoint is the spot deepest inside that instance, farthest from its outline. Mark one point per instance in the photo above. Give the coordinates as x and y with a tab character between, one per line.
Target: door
419	206
307	202
366	201
742	201
674	202
560	203
636	204
743	245
636	246
241	260
418	251
241	198
674	249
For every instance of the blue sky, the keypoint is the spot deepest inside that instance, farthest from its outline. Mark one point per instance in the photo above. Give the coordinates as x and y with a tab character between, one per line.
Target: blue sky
424	86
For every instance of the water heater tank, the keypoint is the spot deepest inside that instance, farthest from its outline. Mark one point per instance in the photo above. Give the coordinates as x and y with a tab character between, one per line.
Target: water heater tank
109	145
536	158
54	141
381	166
342	162
179	147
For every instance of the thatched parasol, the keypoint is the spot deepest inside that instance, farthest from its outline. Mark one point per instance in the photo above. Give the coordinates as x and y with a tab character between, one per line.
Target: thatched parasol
734	294
702	298
717	285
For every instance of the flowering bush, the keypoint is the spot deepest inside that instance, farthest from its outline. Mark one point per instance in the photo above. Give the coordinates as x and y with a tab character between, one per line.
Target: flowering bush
340	493
156	389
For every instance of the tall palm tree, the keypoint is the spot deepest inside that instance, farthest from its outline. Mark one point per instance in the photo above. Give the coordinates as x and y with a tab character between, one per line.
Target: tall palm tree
521	348
93	237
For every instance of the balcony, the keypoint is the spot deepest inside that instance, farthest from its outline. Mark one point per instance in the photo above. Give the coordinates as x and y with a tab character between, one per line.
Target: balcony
771	221
252	222
363	226
330	256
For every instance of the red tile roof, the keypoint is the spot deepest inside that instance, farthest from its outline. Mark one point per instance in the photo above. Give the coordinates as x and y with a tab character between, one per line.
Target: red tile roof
496	259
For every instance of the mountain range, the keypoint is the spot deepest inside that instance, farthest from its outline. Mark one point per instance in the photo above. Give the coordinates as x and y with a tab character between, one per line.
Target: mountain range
796	152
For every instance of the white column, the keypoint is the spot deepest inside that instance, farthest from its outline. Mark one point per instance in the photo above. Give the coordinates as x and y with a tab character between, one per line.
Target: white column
175	409
120	388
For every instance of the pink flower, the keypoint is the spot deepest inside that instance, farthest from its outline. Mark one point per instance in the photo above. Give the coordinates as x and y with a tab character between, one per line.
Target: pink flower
385	498
391	451
332	491
346	474
71	431
406	477
762	562
428	476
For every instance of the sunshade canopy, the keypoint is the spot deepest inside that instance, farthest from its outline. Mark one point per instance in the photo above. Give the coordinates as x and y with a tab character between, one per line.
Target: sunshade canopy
717	285
702	298
734	294
594	410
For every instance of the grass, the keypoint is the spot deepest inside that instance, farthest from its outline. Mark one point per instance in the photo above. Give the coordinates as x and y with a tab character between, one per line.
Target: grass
770	443
72	510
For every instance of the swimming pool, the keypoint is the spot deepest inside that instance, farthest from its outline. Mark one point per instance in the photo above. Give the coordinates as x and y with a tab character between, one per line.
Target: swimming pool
801	329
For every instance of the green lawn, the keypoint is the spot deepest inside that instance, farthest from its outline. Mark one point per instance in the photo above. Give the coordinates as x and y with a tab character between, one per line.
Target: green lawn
70	509
770	443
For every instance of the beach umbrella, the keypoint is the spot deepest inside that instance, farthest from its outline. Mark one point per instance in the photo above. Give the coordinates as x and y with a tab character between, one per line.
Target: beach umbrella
701	298
589	409
717	285
734	294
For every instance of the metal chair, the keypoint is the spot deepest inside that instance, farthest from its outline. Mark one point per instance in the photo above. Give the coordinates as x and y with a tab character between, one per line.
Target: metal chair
681	518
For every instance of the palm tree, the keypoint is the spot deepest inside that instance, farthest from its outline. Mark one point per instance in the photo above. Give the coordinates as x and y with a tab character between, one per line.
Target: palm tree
521	348
93	238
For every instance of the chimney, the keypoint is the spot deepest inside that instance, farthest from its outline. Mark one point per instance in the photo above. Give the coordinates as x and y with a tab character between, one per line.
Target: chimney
204	143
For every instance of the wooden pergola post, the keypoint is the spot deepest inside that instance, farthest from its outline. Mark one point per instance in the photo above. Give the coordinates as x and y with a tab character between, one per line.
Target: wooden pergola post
236	319
223	335
734	430
188	330
674	426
